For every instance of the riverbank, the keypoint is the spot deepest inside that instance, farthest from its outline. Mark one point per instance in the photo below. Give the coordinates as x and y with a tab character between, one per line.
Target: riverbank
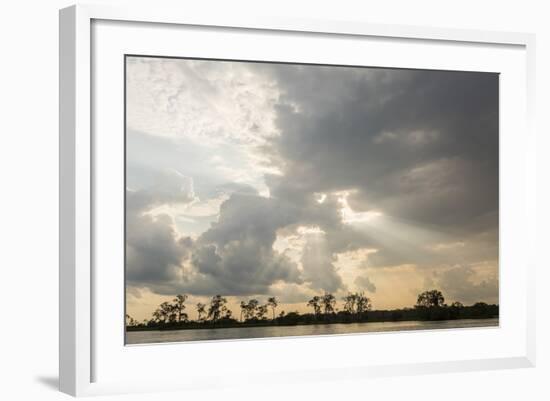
249	332
305	320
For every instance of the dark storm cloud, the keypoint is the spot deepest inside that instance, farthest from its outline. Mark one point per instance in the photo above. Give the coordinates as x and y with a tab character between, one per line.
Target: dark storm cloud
339	236
419	145
153	250
237	251
234	257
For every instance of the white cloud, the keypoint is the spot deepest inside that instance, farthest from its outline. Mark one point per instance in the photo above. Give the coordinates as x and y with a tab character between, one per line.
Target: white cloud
293	179
363	282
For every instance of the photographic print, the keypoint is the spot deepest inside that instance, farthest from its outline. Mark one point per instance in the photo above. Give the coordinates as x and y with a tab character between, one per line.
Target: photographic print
280	199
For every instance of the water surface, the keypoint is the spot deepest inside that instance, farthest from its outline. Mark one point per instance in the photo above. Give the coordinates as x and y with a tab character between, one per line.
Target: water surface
164	336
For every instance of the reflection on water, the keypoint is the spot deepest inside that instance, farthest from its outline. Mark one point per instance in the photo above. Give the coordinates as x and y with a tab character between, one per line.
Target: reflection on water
156	336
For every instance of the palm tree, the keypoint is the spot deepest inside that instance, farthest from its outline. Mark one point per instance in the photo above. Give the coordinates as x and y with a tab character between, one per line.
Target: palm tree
272	302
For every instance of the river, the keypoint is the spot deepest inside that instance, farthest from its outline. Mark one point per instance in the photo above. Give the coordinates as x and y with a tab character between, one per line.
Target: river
169	336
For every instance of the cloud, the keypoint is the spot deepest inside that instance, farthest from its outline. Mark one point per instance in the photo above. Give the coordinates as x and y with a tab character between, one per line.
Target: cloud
364	282
203	101
243	239
439	161
271	149
159	187
154	250
462	284
318	265
234	256
421	147
400	242
291	293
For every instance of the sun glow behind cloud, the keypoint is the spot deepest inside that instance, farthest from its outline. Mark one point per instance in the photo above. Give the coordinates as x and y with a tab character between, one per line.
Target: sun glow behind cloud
350	216
298	174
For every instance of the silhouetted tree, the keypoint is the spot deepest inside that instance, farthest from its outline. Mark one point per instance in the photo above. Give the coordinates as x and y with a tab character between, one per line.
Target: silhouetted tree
272	302
350	302
243	309
430	306
480	309
217	308
261	312
315	303
432	298
179	307
363	304
130	321
173	313
157	315
329	301
164	312
250	309
356	303
201	310
454	310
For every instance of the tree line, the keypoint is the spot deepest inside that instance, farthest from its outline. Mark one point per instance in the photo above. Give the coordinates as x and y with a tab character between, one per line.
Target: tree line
355	307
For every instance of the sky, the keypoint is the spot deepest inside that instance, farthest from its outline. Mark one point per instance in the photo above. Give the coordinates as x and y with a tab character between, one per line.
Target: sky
252	180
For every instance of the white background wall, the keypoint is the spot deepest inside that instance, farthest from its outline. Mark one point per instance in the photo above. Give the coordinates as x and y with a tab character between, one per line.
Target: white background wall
29	185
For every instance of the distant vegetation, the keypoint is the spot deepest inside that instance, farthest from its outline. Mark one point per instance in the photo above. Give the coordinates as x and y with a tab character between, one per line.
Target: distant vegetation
356	307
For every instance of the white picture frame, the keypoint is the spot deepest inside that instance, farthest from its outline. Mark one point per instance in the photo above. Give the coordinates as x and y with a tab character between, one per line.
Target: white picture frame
81	347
